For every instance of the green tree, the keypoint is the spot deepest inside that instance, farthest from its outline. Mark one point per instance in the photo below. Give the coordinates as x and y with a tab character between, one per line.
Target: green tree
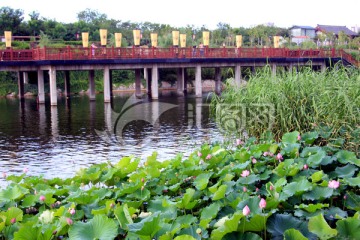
10	19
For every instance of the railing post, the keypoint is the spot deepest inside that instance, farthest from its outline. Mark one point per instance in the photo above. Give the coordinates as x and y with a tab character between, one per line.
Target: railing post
11	54
69	50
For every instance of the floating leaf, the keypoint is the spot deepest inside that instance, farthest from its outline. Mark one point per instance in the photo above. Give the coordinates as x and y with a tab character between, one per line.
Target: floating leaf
293	234
309	137
12	193
348	228
146	227
346	171
317	176
297	188
345	157
202	181
321	228
318	193
229	225
220	193
312	207
291	137
100	227
184	237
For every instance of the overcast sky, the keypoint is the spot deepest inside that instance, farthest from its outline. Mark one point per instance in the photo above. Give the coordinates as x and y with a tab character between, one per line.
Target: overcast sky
237	13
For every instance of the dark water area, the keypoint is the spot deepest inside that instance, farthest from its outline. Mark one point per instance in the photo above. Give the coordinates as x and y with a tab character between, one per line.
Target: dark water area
56	141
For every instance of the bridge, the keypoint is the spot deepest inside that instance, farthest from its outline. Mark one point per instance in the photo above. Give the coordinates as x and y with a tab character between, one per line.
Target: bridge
49	60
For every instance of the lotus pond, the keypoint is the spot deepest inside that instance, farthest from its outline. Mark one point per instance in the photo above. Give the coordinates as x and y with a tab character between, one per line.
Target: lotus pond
304	187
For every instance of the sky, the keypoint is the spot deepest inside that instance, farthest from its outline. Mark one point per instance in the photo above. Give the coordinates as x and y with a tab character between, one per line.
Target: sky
237	13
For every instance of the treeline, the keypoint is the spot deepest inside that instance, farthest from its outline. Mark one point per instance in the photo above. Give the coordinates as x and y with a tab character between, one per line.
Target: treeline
54	32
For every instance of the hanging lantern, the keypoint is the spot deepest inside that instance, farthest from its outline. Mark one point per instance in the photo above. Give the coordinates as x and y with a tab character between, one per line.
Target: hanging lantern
85	39
276	41
103	36
182	40
175	35
206	38
238	41
118	37
136	34
154	39
7	38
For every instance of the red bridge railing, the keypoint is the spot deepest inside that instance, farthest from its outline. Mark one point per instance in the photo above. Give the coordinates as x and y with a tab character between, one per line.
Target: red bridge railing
79	53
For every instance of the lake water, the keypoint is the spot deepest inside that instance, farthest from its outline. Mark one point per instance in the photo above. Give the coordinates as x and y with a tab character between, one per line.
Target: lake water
58	140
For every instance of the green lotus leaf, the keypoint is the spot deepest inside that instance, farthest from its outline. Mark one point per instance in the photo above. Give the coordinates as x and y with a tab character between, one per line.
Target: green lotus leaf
238	168
12	213
220	193
321	228
185	221
290	137
293	234
346	171
277	224
202	181
241	236
345	157
100	227
348	228
29	231
317	176
146	227
162	204
297	188
352	201
252	178
29	201
256	223
291	149
252	203
184	237
12	192
229	225
312	207
209	213
123	216
354	182
194	230
309	137
318	193
185	202
316	159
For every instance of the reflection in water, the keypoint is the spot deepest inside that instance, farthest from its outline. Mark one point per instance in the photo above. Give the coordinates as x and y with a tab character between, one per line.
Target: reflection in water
57	141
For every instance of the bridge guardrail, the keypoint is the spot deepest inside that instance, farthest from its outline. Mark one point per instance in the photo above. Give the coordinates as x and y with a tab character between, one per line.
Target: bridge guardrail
80	53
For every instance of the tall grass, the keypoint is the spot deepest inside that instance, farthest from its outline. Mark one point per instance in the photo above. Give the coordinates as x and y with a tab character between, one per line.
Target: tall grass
291	100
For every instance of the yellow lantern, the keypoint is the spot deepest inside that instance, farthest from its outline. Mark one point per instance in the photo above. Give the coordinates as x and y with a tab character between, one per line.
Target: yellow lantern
7	38
136	34
276	41
103	36
238	40
118	37
154	39
182	40
85	39
175	35
206	38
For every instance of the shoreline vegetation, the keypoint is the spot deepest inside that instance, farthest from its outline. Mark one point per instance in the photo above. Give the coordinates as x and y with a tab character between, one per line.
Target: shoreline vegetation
302	187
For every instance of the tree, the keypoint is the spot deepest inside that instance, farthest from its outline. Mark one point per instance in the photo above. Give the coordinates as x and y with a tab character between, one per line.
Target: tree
10	19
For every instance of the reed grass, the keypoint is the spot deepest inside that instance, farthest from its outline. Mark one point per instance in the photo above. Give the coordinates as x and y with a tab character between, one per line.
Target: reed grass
303	100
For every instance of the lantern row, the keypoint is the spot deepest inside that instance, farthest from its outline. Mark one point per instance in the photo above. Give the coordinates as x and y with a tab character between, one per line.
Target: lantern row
136	33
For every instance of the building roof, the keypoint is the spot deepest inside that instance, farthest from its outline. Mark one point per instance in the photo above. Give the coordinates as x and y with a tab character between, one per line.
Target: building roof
303	27
335	29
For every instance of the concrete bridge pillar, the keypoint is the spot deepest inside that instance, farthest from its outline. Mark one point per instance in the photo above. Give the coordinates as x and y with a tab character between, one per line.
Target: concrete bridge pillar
53	89
107	88
217	80
273	70
21	84
146	75
148	81
41	89
154	82
198	84
67	83
138	83
54	122
237	75
92	85
186	77
180	82
198	112
26	77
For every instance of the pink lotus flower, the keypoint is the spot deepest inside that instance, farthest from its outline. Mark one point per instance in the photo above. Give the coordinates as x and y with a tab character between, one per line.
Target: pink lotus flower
208	157
239	142
72	211
245	173
305	167
279	157
42	198
246	210
271	187
25	170
69	221
13	220
265	154
334	184
262	203
244	189
253	160
199	154
298	137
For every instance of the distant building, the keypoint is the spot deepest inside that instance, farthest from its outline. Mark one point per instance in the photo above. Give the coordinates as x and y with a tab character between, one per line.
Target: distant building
323	29
300	34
